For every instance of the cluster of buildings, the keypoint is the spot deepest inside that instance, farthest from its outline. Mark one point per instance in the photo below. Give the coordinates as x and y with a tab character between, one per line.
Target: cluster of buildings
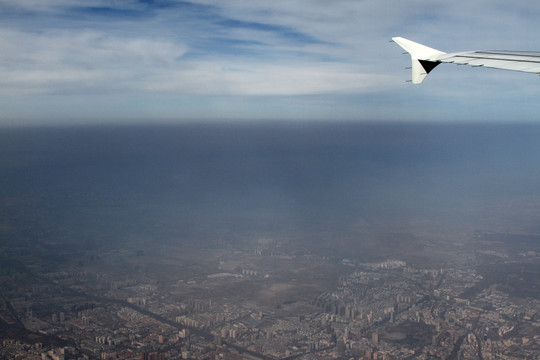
387	310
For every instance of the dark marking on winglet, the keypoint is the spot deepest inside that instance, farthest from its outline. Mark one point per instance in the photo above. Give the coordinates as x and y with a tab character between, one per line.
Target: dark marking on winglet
428	65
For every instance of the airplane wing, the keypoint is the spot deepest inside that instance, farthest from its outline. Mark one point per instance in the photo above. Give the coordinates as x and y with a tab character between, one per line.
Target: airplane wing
424	59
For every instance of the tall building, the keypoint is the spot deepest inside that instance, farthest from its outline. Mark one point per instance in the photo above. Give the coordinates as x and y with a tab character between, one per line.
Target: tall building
85	321
375	338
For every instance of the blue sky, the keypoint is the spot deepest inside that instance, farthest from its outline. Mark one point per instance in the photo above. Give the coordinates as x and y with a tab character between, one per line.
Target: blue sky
103	61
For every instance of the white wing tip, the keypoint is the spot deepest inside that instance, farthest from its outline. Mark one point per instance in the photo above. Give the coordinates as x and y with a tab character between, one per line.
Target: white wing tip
423	58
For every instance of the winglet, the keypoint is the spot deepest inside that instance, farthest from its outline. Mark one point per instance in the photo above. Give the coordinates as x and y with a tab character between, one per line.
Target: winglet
423	58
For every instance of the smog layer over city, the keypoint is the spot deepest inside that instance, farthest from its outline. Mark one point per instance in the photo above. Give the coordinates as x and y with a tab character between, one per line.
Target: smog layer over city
271	180
271	241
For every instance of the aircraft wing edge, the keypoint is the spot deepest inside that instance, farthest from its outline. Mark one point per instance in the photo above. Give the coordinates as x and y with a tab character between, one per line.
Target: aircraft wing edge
506	60
424	59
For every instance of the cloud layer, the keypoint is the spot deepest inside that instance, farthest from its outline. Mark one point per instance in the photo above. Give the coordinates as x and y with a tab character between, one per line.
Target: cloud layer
208	50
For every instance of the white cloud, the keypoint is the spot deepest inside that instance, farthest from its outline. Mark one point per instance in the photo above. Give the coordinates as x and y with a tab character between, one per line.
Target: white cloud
51	61
211	78
91	61
85	48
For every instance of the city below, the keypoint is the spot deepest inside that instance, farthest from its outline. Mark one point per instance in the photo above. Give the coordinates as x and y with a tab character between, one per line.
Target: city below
271	300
